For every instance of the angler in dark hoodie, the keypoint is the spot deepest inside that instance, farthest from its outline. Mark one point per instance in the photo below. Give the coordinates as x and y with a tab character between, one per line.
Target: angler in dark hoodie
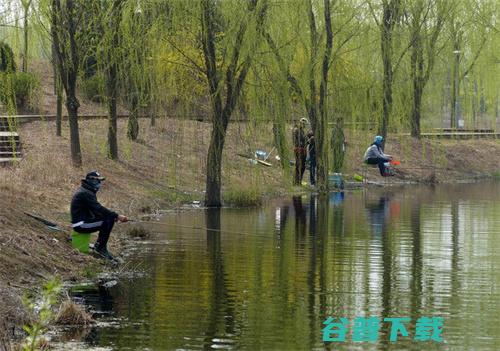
89	216
374	155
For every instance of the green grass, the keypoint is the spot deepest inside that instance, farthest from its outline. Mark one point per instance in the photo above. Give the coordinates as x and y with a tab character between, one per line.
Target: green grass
173	196
138	232
91	270
243	197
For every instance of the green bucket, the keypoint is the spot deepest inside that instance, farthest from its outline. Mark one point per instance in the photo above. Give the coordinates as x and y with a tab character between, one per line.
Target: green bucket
80	241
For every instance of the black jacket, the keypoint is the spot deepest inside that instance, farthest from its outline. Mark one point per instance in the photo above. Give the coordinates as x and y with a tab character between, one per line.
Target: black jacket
311	147
299	137
86	208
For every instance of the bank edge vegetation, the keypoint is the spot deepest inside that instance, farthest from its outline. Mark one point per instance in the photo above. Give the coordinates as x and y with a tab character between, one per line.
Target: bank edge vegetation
405	65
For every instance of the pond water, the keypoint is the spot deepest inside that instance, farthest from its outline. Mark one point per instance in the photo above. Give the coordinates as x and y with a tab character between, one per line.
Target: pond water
267	278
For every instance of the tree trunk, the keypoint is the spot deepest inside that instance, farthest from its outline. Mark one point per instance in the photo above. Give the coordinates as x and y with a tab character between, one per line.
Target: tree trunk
497	109
386	50
112	123
235	75
279	128
59	100
112	127
337	145
112	79
310	102
68	64
322	126
417	79
474	104
72	105
133	121
57	92
415	113
280	142
455	91
214	162
26	34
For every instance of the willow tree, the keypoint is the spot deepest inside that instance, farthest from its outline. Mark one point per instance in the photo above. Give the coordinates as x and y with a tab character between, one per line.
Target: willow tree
137	42
226	78
26	4
308	82
66	14
57	91
133	42
110	47
469	28
426	21
391	12
321	124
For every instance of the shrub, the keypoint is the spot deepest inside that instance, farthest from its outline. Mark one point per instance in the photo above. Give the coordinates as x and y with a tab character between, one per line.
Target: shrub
243	198
43	315
139	232
26	86
92	88
72	314
20	88
7	63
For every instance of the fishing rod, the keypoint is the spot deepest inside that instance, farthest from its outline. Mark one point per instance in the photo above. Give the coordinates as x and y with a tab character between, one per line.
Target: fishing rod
188	227
49	224
398	163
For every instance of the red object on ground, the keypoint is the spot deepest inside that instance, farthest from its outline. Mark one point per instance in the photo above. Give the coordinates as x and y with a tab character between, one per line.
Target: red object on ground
395	163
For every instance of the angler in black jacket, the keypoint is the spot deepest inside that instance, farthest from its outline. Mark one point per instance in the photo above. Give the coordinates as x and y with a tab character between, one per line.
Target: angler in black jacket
89	216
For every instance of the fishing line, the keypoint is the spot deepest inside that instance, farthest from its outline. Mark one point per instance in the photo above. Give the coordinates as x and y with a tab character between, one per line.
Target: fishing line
191	227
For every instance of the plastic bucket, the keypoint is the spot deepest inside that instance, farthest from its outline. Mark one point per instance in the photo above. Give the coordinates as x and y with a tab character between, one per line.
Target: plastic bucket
80	241
335	180
260	155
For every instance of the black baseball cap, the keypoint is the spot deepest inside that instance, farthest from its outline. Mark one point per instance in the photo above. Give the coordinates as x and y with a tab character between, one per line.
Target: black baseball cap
94	175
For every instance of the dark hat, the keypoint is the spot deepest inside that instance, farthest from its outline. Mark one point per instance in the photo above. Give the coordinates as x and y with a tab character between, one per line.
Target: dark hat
94	175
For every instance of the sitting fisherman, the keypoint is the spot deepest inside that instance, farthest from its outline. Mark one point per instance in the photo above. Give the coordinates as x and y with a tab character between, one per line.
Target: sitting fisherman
89	216
374	155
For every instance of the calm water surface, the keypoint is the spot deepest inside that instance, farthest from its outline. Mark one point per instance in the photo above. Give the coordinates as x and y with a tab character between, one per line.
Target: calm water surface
267	278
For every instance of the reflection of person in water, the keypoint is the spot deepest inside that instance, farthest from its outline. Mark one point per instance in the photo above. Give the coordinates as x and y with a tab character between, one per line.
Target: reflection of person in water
280	218
300	217
378	214
313	218
337	198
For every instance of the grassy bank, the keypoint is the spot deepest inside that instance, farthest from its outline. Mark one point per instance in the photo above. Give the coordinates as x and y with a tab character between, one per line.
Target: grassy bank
164	169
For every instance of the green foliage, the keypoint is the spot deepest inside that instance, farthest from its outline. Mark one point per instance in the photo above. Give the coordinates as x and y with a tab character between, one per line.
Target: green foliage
138	232
162	66
172	195
42	309
92	88
26	87
7	63
91	270
19	89
243	197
